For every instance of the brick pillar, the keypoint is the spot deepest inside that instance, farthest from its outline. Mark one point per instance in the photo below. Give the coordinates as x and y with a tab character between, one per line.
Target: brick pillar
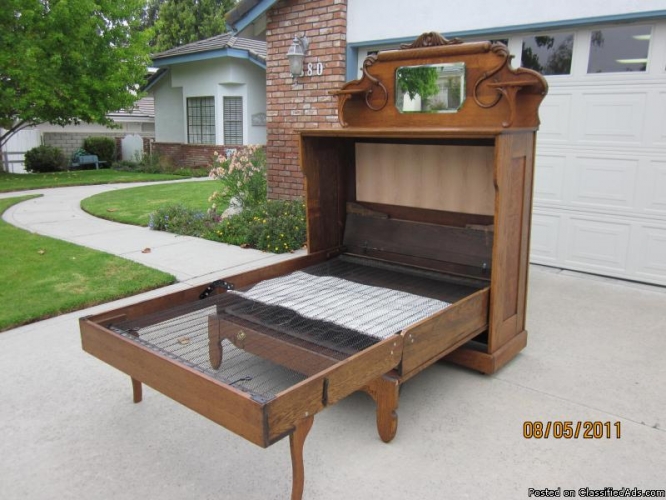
292	107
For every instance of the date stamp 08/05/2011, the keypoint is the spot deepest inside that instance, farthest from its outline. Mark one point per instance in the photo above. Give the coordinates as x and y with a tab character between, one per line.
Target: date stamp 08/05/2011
568	429
606	492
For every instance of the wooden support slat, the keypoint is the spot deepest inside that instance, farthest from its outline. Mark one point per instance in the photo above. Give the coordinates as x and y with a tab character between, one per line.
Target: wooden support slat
278	350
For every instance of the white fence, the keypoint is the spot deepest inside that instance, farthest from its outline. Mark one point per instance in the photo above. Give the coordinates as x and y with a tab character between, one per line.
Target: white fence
13	152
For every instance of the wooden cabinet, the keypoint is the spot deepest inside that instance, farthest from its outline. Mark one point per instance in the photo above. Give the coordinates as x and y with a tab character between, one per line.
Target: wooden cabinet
459	181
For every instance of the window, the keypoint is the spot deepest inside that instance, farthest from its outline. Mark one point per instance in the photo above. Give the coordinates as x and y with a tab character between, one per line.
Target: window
201	120
548	54
621	48
233	120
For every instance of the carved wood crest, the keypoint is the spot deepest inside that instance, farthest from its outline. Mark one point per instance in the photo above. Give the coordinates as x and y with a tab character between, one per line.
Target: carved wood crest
490	81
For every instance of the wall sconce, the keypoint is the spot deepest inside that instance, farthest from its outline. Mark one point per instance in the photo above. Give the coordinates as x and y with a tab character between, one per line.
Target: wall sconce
296	54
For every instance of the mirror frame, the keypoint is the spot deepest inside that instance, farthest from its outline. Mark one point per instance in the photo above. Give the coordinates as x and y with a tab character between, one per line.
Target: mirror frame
400	94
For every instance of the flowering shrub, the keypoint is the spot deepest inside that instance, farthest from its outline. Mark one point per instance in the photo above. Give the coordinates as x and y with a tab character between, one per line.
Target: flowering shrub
276	226
243	176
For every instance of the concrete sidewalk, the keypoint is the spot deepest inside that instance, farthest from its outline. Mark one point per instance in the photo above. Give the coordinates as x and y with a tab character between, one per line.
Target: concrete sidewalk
191	260
595	352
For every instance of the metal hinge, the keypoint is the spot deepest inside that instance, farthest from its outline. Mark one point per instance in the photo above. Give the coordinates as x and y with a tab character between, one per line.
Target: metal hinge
216	284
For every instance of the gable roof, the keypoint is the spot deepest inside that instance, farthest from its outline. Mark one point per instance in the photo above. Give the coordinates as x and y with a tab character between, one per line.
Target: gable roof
246	12
142	111
225	45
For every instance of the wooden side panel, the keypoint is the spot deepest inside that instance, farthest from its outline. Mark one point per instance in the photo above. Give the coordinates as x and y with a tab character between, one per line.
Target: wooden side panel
222	404
439	177
469	247
432	338
331	385
326	163
513	178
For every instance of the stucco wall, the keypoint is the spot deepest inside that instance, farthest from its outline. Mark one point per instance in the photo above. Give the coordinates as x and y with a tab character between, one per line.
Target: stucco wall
218	78
169	111
390	19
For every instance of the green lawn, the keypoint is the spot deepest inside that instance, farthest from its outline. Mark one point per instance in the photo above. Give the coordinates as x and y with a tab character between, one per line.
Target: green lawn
134	205
44	277
21	182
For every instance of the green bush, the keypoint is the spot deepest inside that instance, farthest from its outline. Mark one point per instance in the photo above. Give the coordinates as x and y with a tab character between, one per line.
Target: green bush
276	226
178	219
125	166
45	159
103	147
191	172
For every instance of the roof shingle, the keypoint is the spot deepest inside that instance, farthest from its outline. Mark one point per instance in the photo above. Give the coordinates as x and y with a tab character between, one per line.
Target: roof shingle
224	41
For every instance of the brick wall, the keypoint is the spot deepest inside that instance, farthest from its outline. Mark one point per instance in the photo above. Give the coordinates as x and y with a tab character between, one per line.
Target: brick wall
187	155
305	105
69	142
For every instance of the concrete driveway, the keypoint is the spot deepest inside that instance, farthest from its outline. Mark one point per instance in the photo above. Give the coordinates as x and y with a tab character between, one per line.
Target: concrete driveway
595	353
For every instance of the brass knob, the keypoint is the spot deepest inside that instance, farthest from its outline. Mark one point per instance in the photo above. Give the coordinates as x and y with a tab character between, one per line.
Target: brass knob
240	338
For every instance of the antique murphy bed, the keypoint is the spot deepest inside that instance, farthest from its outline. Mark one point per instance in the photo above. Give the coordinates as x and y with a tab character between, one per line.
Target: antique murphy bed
418	213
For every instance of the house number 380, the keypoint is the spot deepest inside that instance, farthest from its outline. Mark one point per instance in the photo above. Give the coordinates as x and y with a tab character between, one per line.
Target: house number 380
315	69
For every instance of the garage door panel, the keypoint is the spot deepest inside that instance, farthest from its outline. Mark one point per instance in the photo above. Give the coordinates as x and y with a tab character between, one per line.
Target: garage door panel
651	253
656	130
604	182
546	236
549	178
554	112
613	117
597	245
655	190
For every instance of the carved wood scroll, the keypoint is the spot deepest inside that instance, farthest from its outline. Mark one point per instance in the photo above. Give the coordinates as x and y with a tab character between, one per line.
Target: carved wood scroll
498	96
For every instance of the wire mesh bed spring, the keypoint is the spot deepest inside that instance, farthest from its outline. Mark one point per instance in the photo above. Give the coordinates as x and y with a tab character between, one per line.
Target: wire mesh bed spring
332	310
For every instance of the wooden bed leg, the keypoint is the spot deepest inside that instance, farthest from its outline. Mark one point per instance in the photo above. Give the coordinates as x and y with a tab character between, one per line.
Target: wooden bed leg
296	442
385	391
214	342
137	390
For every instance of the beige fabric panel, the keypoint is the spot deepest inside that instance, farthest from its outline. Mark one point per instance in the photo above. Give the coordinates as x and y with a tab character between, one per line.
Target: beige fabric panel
450	178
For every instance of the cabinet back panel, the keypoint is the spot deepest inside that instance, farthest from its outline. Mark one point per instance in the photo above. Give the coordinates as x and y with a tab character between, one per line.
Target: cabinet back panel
439	177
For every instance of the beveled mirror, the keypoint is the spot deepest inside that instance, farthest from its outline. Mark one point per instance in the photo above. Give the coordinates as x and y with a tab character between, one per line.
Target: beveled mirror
431	88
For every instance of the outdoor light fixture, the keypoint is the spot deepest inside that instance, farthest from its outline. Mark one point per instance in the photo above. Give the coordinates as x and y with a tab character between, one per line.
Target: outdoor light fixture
296	54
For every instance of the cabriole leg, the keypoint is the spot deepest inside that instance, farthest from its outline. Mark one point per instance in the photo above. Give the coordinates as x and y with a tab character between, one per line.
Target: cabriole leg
385	391
137	390
296	442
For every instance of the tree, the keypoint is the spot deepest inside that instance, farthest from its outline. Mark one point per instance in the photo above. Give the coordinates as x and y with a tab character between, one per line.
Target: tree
418	80
185	21
69	61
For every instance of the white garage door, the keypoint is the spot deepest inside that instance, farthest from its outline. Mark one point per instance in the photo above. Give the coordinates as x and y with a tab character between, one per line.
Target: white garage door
600	189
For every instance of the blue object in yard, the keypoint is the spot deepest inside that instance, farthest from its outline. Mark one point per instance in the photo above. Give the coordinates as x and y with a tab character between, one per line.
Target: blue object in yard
82	160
